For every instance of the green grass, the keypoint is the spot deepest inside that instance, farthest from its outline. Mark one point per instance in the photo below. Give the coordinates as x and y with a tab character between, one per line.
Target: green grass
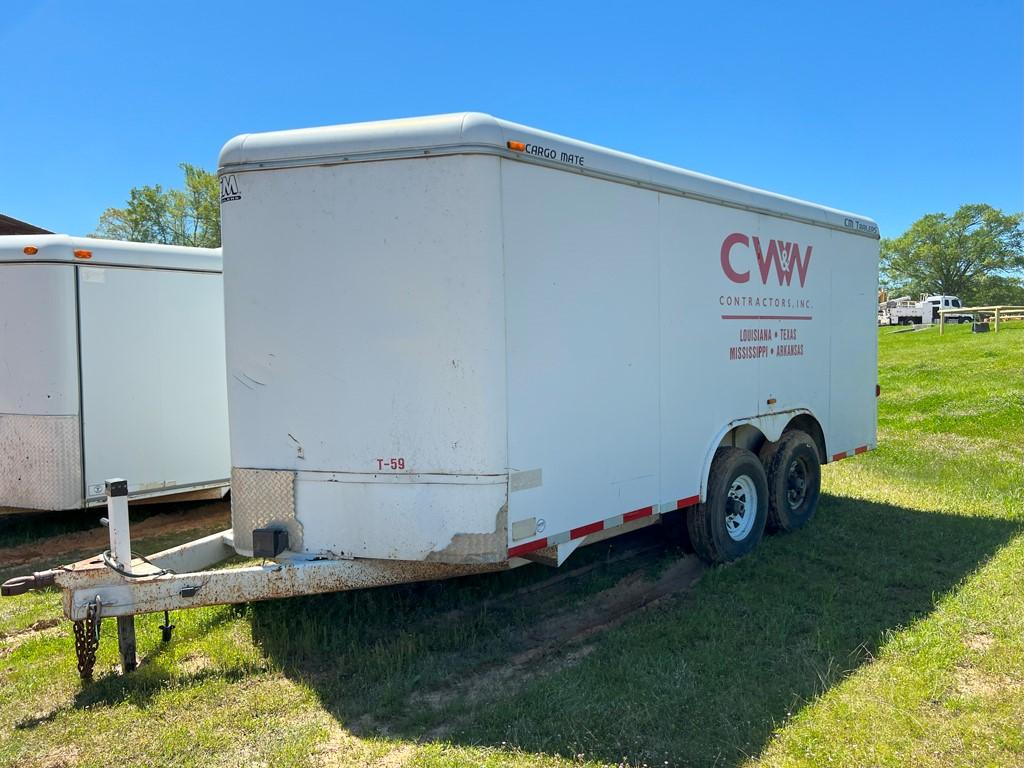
889	632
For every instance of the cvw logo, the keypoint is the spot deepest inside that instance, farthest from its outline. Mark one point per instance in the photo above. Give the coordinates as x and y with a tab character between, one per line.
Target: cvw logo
785	257
229	188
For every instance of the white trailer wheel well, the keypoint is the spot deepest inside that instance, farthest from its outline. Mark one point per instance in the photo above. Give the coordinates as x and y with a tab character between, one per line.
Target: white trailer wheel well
806	422
751	433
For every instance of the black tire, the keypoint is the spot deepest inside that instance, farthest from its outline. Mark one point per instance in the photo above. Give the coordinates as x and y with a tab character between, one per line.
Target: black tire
793	467
718	532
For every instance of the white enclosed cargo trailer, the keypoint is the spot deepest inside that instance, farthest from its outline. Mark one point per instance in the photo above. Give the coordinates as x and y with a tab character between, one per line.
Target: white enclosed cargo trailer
456	344
111	361
460	339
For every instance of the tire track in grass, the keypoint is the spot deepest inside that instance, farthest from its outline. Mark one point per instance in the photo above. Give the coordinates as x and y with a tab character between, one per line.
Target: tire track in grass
562	578
560	641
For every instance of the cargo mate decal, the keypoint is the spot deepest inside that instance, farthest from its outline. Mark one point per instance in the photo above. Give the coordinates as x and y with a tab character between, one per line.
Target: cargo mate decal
548	153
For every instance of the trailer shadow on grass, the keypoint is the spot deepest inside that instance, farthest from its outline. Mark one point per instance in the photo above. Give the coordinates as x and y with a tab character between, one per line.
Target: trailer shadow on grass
703	674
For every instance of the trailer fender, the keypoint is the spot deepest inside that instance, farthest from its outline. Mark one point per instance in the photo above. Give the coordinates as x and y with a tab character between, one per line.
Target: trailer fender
751	431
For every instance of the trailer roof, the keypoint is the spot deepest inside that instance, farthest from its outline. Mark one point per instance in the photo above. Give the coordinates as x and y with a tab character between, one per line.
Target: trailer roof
476	133
107	253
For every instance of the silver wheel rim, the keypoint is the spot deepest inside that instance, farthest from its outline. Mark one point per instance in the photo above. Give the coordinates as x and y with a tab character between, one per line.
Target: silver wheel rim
741	508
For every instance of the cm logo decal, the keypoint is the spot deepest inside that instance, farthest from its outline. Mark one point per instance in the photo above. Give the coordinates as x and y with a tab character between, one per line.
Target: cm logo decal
229	188
784	256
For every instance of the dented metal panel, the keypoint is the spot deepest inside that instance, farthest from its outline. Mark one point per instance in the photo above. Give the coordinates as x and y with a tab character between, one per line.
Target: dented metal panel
485	547
444	518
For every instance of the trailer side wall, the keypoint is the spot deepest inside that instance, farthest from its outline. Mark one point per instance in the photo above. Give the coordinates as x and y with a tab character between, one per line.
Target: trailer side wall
642	326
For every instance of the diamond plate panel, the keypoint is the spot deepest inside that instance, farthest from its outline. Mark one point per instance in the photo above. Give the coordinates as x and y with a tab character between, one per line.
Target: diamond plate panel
261	498
40	462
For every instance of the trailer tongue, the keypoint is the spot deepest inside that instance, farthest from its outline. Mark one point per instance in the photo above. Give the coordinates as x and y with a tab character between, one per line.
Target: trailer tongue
117	584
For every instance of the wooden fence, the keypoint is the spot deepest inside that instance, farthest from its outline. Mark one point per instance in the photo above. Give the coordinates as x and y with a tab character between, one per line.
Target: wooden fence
1000	312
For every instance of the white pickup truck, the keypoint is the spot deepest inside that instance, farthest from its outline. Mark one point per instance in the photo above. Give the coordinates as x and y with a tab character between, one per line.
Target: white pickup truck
905	311
946	302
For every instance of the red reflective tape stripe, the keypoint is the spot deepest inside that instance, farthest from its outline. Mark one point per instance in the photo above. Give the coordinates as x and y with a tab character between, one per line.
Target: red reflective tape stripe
862	449
689	501
838	456
583	530
522	549
637	513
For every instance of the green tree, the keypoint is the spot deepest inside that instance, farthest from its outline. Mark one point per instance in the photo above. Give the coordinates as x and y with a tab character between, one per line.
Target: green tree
996	289
189	216
974	253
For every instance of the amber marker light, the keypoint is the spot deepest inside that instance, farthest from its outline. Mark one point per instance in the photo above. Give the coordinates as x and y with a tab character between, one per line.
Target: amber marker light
30	250
772	401
516	146
83	254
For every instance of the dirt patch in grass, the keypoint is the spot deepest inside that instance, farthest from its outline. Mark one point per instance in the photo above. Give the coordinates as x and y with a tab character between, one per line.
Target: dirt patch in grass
54	549
979	642
11	640
396	757
974	683
194	664
38	626
64	756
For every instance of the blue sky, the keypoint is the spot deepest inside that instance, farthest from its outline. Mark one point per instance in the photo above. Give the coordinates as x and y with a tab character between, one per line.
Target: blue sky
891	110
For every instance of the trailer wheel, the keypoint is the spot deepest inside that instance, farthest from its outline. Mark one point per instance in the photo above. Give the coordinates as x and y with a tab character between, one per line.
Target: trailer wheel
793	468
731	522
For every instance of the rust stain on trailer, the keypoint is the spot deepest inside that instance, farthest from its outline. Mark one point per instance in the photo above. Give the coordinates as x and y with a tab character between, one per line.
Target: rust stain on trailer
120	597
477	547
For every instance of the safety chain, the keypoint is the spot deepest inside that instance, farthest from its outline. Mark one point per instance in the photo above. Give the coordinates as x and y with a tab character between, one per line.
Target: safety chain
87	639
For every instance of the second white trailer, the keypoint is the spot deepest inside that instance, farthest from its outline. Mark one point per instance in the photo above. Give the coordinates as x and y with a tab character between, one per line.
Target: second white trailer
111	364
